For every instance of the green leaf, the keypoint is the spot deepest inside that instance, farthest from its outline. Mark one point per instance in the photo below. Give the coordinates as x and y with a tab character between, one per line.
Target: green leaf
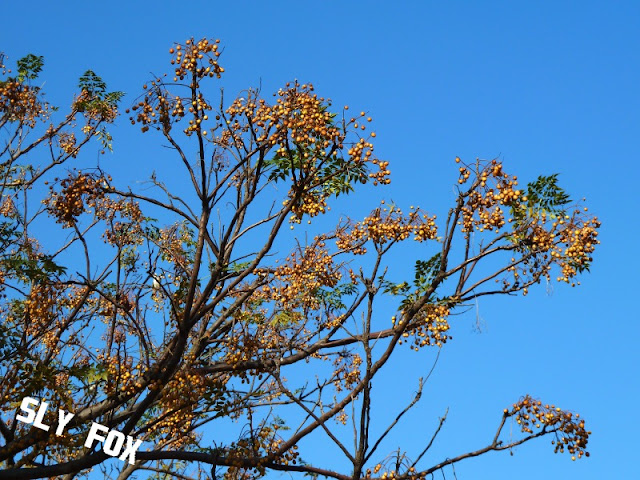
332	299
286	318
93	84
544	195
113	97
237	267
394	288
35	269
95	374
29	67
425	271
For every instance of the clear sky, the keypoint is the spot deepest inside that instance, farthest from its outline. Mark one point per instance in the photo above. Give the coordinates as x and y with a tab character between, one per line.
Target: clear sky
547	86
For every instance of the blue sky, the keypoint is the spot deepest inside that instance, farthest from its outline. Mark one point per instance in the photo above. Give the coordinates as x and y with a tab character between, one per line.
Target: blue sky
545	86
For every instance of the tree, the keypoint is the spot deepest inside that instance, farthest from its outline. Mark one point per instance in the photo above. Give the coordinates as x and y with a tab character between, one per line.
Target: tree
157	312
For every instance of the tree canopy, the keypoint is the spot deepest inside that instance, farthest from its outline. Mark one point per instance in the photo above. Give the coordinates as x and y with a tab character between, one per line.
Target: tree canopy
160	313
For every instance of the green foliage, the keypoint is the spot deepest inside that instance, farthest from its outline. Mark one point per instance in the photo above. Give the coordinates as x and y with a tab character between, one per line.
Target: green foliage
344	183
236	267
9	341
285	318
36	270
425	273
333	299
9	231
394	288
96	97
543	196
41	377
303	158
88	375
93	84
105	139
29	67
129	257
283	165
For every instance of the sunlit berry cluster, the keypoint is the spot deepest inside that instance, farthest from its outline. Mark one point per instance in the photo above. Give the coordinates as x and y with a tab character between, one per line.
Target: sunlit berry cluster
19	102
350	238
424	227
394	467
490	192
84	193
428	327
79	193
347	371
302	119
95	108
545	240
311	204
41	318
7	207
67	142
161	109
128	229
122	376
569	428
382	175
578	241
384	225
543	233
197	58
300	128
174	242
362	151
180	396
255	338
264	443
297	281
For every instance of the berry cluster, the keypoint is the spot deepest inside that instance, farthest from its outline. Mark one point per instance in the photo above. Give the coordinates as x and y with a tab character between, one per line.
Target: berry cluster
347	371
428	327
542	229
296	282
301	118
311	203
85	192
569	428
384	225
263	443
79	193
254	338
491	190
95	108
190	59
67	143
8	206
180	397
41	316
579	239
160	109
19	102
566	241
